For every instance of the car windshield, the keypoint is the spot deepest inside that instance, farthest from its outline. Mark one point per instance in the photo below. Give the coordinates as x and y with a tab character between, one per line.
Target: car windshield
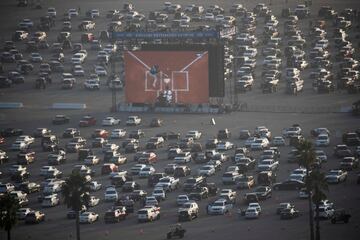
165	180
218	204
322	137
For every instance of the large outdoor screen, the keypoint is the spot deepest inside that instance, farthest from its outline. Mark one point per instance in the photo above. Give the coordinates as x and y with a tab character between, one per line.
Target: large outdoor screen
183	74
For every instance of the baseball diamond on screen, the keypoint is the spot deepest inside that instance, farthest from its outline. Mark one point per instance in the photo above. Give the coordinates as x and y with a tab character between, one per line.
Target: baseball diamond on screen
182	73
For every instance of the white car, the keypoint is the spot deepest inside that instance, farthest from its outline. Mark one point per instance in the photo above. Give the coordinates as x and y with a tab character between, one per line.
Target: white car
73	12
78	58
26	138
133	120
219	207
110	121
159	193
146	171
260	144
223	146
292	131
206	170
50	201
118	133
100	71
194	134
322	140
93	201
151	201
51	12
103	56
255	205
182	158
251	213
54	187
137	168
78	70
94	186
111	194
91	160
181	199
278	141
267	165
209	17
88	217
92	84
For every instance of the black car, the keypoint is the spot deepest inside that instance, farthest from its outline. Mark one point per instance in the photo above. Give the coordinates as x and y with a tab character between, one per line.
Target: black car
169	135
154	179
60	119
340	215
9	132
130	186
211	143
132	147
263	192
136	134
224	134
156	122
289	185
71	133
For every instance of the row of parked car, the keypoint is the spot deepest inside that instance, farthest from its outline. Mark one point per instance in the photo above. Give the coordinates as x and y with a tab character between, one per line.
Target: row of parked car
196	187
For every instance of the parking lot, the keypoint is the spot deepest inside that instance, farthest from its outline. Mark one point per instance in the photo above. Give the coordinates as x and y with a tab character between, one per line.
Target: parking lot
276	111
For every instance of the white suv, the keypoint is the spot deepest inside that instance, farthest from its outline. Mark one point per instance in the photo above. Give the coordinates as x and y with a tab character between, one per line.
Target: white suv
148	214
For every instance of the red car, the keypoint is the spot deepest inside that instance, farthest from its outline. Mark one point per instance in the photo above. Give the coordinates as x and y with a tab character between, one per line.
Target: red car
2	140
100	133
87	121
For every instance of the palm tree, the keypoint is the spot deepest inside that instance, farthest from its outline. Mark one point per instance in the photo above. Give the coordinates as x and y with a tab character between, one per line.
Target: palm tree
307	158
318	183
76	195
8	208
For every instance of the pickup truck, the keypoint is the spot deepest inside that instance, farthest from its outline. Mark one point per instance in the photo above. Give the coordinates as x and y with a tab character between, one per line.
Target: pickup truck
168	183
115	214
188	211
262	192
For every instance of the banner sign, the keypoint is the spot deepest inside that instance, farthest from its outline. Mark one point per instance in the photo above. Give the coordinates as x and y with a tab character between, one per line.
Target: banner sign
158	35
226	32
